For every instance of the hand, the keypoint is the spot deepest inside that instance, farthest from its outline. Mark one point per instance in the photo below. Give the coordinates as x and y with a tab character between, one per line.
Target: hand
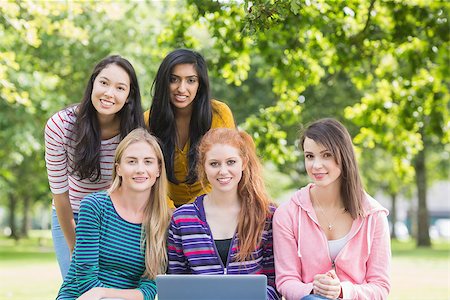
93	294
327	285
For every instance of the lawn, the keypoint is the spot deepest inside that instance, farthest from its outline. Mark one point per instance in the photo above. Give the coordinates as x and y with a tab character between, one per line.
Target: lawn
420	273
28	270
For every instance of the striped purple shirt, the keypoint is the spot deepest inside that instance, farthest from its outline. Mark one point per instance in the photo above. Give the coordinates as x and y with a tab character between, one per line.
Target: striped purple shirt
59	153
192	249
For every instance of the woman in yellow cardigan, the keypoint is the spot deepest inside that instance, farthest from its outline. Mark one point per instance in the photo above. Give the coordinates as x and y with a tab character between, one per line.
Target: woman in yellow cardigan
181	113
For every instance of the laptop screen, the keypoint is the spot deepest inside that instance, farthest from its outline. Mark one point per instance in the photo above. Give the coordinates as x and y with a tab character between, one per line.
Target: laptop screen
211	287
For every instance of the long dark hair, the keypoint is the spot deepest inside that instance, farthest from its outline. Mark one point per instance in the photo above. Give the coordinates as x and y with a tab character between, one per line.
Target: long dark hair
162	117
332	135
87	133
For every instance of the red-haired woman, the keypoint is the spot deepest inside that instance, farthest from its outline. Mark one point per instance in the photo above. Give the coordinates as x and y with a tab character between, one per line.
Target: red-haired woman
229	230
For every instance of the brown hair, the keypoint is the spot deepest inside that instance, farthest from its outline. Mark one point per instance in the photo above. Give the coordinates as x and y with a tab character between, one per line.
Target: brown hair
332	135
252	193
156	211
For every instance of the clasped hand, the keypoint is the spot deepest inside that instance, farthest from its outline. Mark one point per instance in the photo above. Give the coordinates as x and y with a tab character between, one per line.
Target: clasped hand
327	285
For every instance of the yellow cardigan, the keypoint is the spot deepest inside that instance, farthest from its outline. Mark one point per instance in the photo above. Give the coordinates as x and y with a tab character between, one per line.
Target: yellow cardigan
182	193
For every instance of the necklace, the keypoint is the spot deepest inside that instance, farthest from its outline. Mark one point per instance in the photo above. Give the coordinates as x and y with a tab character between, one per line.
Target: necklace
330	224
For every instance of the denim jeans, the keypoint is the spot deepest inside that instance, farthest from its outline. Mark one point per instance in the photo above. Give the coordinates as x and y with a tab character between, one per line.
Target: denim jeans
60	244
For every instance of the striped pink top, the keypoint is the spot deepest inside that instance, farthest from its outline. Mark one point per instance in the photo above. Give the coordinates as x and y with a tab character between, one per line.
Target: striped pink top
59	151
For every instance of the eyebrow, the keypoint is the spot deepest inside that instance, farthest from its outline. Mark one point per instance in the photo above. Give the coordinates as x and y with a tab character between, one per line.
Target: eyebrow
232	157
189	76
120	83
319	152
133	157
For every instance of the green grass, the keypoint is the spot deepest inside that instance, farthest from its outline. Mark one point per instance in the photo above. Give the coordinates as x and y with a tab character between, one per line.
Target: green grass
420	273
439	250
35	249
28	270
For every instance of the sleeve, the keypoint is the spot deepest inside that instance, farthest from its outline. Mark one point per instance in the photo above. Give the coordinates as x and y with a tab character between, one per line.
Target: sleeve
287	263
55	154
377	279
177	260
146	115
148	288
170	203
86	256
222	115
268	263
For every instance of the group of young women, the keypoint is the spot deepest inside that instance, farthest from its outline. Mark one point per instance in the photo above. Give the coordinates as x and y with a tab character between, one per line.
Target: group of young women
116	174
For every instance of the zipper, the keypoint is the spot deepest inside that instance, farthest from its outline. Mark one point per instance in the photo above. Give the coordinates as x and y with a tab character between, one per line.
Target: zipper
225	271
217	252
230	249
333	263
324	238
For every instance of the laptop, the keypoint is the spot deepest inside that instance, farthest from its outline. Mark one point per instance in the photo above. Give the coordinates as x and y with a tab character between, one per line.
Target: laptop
211	287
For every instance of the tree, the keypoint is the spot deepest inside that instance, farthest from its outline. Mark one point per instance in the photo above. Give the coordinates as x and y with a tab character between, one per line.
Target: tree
48	50
394	53
405	108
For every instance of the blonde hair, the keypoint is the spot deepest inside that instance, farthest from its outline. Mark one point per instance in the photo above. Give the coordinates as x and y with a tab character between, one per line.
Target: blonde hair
156	212
255	203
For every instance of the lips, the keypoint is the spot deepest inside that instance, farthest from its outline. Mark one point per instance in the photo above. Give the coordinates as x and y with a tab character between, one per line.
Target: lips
181	98
319	175
140	179
106	103
224	180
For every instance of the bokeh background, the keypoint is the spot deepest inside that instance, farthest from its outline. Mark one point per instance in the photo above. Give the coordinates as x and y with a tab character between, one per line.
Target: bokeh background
380	67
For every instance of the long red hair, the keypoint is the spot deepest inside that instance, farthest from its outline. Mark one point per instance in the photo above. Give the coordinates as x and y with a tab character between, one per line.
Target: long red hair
255	203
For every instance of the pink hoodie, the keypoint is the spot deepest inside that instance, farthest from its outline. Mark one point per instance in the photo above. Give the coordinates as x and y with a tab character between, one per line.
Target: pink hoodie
301	251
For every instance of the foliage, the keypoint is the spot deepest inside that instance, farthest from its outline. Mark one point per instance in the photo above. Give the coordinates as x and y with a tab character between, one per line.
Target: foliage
395	55
48	50
381	67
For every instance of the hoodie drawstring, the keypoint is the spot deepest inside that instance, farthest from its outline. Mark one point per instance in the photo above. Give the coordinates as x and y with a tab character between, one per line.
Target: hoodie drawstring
299	231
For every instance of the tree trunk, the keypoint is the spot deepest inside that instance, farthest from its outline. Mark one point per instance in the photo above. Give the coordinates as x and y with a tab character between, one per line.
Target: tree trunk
423	235
393	214
12	216
25	217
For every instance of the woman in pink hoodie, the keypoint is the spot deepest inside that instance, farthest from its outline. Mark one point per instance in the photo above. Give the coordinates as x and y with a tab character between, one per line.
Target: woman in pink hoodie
331	240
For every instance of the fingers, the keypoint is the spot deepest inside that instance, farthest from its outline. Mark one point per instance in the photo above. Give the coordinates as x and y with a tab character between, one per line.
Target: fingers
326	285
327	291
332	274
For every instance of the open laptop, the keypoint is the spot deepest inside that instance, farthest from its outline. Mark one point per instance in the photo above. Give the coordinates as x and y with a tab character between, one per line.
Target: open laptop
211	287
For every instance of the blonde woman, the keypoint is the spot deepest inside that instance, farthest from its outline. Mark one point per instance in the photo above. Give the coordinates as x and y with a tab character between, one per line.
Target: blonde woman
121	234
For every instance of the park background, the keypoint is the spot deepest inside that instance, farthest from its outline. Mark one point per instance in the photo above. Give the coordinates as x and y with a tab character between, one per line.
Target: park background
380	67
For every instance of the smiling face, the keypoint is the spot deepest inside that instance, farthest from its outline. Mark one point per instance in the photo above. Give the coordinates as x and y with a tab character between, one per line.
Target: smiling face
184	84
223	167
138	167
110	90
320	164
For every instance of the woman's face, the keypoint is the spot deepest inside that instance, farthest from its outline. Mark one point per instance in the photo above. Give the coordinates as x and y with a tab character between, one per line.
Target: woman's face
320	164
138	167
223	167
184	83
110	91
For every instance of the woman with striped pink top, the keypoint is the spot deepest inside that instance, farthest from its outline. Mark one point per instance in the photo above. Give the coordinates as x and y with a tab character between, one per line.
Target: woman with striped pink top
80	142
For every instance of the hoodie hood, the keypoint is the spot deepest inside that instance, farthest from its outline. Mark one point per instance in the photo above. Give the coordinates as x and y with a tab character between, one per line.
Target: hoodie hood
303	200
